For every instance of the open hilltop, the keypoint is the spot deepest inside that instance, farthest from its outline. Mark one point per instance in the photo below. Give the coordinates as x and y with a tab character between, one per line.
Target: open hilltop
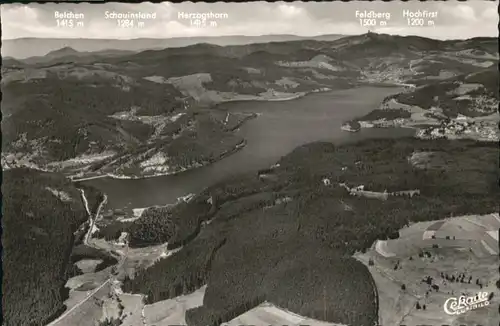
433	261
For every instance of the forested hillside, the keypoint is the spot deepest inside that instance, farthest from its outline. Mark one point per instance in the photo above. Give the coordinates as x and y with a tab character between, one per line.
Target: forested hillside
40	212
134	114
474	94
283	238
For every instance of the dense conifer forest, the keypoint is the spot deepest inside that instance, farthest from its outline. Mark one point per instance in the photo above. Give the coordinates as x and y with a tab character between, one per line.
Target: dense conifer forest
287	237
285	234
37	243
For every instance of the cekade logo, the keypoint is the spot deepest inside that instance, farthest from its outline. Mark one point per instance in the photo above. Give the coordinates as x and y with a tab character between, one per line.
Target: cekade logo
456	306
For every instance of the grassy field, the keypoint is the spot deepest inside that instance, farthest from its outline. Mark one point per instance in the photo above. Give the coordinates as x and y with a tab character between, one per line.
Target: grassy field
414	260
87	313
132	312
172	311
269	314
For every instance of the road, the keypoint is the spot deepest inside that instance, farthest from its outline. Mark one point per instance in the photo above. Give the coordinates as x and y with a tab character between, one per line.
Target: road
92	219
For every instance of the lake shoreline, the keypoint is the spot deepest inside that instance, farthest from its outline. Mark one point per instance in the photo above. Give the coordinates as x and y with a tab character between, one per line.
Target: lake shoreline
200	165
292	97
281	127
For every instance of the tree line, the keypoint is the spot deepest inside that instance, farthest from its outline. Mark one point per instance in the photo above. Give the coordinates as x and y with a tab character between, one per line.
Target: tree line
288	251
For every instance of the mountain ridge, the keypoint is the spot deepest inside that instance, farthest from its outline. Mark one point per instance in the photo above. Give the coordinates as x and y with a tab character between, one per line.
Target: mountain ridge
140	107
252	237
22	48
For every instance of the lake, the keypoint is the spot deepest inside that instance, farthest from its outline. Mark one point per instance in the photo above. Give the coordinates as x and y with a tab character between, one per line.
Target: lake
280	127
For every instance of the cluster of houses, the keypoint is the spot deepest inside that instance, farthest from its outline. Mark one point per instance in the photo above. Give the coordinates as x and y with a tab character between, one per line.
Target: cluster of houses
461	127
360	191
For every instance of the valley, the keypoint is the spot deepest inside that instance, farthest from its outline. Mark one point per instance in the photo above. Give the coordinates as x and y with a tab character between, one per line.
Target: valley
176	106
291	202
213	182
278	128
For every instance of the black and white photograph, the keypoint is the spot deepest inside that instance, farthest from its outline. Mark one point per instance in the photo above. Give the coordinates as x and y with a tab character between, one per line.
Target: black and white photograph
250	164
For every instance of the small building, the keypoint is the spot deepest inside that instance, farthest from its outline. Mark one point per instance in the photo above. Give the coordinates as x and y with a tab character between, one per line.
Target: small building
123	239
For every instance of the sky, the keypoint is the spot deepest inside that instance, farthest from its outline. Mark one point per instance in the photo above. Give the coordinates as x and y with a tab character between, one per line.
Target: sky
454	20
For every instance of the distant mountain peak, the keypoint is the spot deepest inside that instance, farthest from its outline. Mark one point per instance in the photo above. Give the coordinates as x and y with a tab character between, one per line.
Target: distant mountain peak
67	50
203	45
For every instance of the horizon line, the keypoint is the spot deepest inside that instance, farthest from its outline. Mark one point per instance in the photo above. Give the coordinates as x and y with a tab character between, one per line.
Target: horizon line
231	35
170	37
